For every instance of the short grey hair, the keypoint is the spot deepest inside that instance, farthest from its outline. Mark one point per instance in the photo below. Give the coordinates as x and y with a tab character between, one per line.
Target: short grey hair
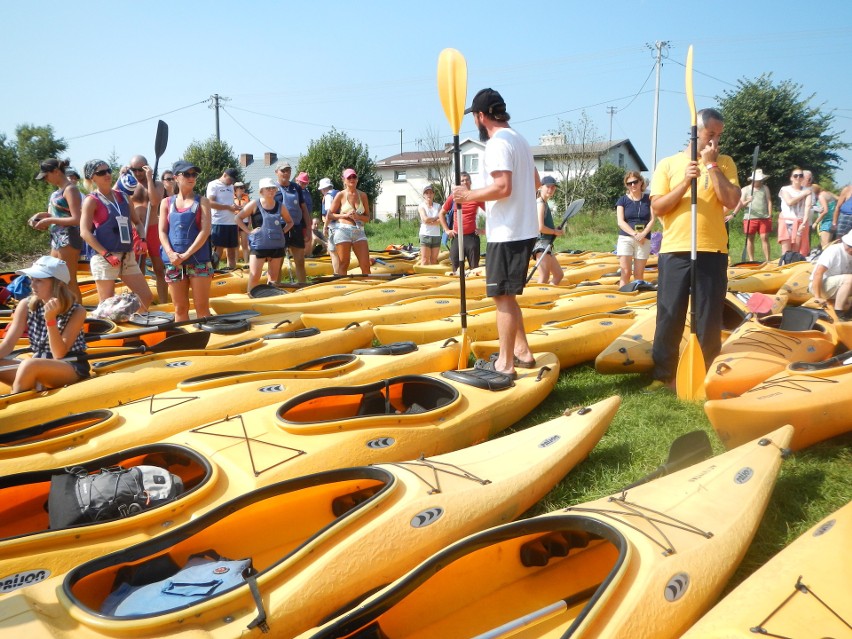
705	115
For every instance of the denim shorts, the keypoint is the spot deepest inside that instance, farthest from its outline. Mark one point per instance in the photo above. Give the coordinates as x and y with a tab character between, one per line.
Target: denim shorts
348	233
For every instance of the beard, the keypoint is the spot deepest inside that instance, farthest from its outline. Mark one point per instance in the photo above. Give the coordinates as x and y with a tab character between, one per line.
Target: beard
483	132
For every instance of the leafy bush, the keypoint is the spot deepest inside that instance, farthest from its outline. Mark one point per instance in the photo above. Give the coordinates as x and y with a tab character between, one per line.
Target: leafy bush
18	240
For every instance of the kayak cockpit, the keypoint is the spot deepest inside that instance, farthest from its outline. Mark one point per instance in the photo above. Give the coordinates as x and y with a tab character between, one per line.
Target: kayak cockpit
343	407
545	573
30	503
214	563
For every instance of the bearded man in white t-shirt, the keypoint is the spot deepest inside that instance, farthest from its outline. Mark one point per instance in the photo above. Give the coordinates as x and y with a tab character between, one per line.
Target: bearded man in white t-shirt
511	224
225	232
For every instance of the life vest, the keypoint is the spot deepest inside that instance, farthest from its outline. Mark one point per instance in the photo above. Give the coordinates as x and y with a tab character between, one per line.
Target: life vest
106	230
183	228
271	233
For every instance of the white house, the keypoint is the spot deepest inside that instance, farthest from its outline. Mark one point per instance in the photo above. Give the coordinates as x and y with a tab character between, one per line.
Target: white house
404	175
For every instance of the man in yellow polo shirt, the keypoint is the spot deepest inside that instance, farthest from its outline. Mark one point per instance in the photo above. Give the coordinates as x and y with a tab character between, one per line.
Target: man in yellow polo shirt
718	189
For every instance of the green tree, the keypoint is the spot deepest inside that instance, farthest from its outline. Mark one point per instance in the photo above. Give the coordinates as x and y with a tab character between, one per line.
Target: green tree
788	129
34	144
333	152
8	161
212	157
600	189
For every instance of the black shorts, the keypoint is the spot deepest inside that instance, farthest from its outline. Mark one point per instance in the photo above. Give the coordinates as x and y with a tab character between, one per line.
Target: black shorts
271	254
296	236
506	267
225	235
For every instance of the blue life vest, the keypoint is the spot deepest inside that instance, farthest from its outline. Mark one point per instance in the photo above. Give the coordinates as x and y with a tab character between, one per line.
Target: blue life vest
289	195
271	233
184	227
107	232
333	193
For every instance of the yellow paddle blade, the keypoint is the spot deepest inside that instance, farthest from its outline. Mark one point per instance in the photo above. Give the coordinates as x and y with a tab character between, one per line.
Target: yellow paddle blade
452	86
464	351
690	94
691	371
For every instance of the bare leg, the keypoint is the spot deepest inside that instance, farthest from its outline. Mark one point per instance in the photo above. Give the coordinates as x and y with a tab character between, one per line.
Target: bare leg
639	269
180	298
625	263
764	240
232	257
201	295
71	256
344	254
841	300
510	330
273	269
50	373
160	275
255	267
362	252
106	289
750	247
299	260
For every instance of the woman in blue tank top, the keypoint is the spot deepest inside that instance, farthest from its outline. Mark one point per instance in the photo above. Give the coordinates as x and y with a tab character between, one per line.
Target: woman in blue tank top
268	223
185	225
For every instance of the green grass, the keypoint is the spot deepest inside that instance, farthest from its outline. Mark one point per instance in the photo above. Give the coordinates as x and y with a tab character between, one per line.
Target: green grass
812	483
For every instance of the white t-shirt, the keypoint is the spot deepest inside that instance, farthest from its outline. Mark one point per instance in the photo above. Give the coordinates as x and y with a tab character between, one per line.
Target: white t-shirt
836	261
431	230
218	191
798	209
512	218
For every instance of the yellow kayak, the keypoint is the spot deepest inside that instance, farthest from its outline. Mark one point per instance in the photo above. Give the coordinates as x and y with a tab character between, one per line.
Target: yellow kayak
815	398
803	591
573	341
316	541
760	348
643	564
121	382
70	440
422	309
482	323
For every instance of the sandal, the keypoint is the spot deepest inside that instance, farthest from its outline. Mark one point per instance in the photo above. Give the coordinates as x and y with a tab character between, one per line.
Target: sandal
518	363
488	365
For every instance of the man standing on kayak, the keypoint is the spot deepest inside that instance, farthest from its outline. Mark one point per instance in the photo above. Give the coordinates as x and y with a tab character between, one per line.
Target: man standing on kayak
511	224
718	190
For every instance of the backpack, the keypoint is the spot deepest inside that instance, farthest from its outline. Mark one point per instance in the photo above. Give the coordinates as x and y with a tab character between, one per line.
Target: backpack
791	256
78	497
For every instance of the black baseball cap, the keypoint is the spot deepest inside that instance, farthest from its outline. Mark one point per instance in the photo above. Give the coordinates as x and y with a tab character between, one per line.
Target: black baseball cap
231	173
487	101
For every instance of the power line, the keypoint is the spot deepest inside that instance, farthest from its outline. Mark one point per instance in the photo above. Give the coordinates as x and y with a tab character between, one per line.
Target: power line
121	126
324	126
262	143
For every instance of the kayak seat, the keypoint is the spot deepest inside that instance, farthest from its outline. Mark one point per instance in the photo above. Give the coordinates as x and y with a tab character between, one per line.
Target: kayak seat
373	403
838	360
324	363
798	318
479	378
538	552
265	290
343	504
396	348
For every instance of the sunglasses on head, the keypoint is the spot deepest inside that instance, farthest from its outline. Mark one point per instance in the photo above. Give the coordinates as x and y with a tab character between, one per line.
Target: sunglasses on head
103	172
632	182
798	175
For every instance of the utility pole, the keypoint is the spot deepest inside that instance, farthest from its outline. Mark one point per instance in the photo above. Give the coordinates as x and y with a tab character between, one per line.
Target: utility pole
658	46
611	110
216	99
400	141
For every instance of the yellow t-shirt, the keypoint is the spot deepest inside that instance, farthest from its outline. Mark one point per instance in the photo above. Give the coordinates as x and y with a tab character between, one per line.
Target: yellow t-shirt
677	227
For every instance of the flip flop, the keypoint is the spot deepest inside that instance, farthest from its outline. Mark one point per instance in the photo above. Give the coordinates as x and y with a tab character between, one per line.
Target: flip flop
518	363
487	365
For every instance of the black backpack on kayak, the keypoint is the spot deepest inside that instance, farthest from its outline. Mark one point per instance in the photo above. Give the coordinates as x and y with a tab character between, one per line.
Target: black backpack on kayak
78	497
791	256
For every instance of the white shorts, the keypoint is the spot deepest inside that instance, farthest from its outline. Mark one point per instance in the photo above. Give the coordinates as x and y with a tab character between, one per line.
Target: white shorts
103	270
628	247
830	285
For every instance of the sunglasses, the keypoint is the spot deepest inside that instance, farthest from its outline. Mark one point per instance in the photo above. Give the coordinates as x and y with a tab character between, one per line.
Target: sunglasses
103	172
190	175
139	170
798	175
352	177
171	179
632	182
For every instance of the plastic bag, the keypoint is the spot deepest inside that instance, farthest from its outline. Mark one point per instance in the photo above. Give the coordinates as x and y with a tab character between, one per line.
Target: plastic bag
118	308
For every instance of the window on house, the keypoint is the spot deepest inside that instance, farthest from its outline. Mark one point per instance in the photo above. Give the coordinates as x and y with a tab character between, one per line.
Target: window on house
621	160
548	165
433	174
399	176
470	163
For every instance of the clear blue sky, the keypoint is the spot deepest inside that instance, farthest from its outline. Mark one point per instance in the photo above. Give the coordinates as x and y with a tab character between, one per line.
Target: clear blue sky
293	70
